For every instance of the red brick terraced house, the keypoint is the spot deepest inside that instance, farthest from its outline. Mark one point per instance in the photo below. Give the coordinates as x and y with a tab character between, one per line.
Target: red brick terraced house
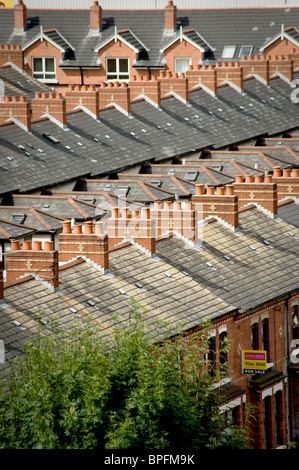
196	135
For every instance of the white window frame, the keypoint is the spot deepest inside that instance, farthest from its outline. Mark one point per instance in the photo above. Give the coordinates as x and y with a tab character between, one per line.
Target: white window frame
176	59
44	72
117	73
225	54
243	46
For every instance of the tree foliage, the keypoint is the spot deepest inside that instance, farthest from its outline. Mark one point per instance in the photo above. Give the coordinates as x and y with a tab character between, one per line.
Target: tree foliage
80	390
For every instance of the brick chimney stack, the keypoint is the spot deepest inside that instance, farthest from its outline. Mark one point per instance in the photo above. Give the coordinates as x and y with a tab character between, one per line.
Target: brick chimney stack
174	85
173	219
139	231
12	54
287	183
259	190
52	107
222	205
83	97
89	243
16	109
95	17
20	12
115	94
142	88
230	73
39	263
170	17
202	77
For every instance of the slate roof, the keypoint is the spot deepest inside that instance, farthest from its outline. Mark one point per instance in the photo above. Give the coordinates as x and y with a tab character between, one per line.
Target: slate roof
91	148
178	285
290	33
179	186
164	297
249	277
217	27
56	206
20	84
289	211
231	167
10	230
197	174
30	217
102	200
136	190
190	35
285	142
259	159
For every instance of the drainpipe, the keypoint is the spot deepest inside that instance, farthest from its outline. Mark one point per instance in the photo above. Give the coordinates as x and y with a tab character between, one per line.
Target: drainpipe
289	409
81	74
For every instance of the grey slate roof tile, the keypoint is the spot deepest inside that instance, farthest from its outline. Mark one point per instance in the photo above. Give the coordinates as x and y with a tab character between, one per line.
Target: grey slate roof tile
289	212
151	135
253	277
217	27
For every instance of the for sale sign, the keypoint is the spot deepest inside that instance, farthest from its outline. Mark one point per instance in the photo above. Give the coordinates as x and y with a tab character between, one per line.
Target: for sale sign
254	362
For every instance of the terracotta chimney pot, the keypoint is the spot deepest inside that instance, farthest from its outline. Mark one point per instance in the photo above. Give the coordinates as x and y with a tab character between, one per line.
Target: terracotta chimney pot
77	229
26	245
15	245
37	245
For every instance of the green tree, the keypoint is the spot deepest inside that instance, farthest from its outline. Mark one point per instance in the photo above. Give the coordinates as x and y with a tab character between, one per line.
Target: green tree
80	390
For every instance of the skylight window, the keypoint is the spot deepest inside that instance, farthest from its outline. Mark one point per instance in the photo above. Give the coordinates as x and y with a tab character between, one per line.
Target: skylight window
140	286
245	50
51	138
18	218
124	293
268	244
228	52
157	183
46	207
169	276
211	266
122	190
293	235
108	187
171	171
74	311
90	200
217	167
228	259
191	175
92	304
19	325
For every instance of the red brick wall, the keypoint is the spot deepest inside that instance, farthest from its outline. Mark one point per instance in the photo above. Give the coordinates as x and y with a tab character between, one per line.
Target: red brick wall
181	49
281	48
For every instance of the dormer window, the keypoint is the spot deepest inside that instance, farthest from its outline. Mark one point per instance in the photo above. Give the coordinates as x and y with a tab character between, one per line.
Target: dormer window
117	68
